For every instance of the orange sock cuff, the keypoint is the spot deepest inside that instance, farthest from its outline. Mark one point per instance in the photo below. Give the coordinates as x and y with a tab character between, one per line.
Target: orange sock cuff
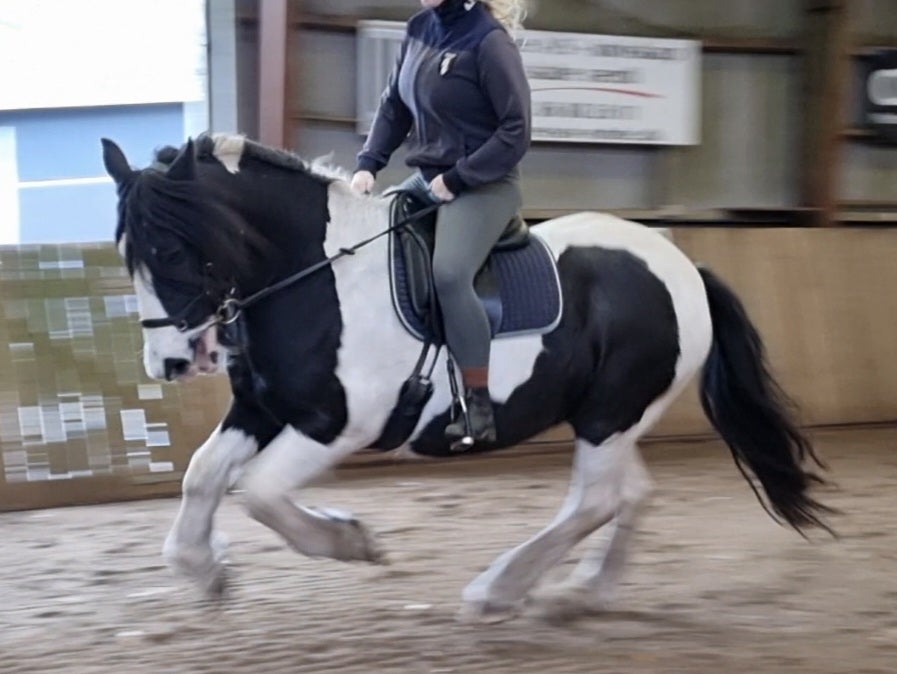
475	377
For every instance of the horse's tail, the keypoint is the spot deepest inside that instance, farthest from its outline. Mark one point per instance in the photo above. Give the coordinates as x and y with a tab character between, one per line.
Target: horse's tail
752	413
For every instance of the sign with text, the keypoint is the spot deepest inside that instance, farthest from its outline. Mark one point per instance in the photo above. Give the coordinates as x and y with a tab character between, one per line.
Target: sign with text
585	88
613	89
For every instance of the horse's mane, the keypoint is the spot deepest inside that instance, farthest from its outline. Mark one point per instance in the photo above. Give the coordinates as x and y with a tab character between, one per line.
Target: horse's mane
216	146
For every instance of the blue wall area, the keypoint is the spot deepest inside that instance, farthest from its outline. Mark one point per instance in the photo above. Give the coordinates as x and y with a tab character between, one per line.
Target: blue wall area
64	144
67	213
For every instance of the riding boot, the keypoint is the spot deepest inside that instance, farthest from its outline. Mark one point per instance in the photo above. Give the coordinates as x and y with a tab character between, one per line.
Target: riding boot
479	412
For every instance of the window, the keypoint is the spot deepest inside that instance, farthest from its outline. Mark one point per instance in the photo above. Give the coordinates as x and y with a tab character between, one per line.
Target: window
131	70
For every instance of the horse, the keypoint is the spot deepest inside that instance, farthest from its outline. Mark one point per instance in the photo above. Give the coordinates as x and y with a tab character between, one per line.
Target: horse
319	357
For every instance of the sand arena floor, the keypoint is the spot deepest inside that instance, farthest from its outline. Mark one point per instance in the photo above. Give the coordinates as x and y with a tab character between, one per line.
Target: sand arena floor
713	585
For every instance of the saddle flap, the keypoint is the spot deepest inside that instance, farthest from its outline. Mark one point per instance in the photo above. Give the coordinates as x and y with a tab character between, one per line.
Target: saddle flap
417	240
417	249
517	286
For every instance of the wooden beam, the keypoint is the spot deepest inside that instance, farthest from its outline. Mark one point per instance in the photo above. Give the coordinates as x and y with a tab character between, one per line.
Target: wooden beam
826	72
273	76
750	45
713	44
855	133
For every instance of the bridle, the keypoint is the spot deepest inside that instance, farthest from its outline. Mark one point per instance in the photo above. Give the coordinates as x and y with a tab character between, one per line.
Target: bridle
180	321
231	307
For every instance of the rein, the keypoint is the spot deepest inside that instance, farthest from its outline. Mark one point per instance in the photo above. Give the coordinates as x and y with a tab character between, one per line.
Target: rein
231	307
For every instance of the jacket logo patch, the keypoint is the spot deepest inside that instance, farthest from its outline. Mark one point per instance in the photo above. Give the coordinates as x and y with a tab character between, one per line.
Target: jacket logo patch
447	59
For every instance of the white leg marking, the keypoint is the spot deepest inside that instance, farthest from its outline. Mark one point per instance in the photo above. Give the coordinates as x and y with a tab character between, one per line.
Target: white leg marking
290	461
595	580
189	548
594	496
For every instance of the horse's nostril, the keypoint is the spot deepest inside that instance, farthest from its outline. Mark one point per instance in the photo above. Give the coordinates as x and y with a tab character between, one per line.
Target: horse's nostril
214	357
175	367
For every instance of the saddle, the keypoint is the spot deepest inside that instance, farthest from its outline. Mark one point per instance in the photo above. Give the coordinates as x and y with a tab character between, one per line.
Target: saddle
414	295
518	286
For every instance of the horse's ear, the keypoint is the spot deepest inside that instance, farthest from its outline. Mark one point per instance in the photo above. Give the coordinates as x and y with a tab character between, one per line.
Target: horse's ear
115	161
184	165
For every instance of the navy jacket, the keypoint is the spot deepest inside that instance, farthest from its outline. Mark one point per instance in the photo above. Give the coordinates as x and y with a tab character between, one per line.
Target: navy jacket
460	89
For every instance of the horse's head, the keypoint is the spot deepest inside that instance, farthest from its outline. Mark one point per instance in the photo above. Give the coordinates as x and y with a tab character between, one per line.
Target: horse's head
180	253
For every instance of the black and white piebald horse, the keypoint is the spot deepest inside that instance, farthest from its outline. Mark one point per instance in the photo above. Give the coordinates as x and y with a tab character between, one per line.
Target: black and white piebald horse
317	364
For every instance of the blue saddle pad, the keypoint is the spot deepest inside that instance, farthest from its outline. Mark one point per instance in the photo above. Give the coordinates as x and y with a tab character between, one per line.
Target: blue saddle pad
528	298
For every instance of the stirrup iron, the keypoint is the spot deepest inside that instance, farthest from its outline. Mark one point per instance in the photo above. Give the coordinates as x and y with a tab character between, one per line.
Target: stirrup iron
466	441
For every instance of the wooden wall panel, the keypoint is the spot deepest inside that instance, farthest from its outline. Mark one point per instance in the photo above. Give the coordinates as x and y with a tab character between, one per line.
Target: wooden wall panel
822	299
823	302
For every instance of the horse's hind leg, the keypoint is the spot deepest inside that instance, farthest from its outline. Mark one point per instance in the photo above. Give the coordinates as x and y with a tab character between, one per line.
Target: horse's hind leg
593	499
594	581
291	461
190	548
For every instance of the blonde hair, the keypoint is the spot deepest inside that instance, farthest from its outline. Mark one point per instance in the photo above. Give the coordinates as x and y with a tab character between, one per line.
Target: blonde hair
510	13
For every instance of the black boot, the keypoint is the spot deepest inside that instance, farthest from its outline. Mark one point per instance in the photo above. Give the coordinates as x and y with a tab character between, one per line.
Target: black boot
479	411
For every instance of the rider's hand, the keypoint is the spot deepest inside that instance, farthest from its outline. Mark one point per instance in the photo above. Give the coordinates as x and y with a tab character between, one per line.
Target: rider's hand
363	182
439	190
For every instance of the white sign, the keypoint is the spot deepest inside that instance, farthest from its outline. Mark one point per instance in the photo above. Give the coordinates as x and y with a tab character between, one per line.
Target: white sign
60	53
613	89
586	88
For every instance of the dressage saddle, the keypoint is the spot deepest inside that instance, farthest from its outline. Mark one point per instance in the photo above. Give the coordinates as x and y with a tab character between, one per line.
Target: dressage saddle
518	286
416	240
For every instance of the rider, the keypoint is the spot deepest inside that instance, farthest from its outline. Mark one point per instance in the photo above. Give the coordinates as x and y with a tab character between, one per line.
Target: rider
460	88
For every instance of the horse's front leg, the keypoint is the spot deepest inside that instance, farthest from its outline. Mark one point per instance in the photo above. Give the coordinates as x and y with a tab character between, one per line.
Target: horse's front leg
291	461
192	548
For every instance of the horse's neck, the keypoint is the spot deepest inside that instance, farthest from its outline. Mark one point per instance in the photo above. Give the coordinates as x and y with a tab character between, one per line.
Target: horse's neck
339	215
354	219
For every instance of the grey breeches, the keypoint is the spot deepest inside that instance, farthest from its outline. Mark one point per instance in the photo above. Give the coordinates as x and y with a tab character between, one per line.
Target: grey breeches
466	230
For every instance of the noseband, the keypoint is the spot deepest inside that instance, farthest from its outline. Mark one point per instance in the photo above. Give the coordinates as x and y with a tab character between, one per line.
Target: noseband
225	314
228	311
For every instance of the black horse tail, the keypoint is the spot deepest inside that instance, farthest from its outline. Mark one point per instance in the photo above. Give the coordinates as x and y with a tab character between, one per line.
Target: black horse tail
753	415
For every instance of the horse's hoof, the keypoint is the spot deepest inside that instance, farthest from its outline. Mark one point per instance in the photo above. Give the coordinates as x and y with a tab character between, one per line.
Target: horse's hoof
358	543
571	601
595	597
370	549
489	612
201	565
214	587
